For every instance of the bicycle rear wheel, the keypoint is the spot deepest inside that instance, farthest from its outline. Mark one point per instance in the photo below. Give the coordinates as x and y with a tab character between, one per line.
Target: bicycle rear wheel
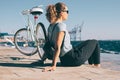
41	38
24	42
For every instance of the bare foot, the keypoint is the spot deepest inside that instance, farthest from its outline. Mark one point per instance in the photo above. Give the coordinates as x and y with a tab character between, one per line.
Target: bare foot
97	65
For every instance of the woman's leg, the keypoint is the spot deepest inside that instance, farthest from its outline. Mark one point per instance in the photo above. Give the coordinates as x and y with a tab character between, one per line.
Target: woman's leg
95	57
85	50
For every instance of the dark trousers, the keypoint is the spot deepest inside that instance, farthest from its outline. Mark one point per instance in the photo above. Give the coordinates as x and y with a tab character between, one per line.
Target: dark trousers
87	50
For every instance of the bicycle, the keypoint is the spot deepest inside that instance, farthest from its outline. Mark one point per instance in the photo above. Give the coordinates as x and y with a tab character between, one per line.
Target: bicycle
31	39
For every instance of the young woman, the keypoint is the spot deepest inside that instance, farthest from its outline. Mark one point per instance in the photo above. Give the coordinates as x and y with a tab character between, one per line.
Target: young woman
60	39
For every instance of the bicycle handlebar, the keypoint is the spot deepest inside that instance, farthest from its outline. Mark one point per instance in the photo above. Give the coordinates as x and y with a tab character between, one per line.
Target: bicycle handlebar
34	11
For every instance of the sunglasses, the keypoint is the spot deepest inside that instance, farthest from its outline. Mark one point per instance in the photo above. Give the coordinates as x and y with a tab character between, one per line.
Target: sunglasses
66	11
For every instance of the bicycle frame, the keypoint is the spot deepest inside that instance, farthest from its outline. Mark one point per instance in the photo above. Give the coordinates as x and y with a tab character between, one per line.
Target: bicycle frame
31	29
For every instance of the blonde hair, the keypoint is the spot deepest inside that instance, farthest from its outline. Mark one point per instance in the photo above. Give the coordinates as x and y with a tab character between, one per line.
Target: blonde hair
53	11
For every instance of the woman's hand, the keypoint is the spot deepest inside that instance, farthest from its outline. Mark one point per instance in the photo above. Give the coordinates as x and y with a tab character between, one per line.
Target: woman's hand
52	68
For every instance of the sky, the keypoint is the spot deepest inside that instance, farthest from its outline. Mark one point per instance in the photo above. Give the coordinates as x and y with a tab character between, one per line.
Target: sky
101	17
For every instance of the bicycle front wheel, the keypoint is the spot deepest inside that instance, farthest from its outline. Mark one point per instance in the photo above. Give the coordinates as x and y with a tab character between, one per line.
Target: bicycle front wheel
24	42
41	38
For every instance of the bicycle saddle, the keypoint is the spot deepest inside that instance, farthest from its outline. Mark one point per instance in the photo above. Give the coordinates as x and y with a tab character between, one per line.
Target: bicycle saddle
36	11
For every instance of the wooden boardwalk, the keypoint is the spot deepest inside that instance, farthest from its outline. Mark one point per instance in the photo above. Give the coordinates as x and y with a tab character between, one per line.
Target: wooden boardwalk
15	66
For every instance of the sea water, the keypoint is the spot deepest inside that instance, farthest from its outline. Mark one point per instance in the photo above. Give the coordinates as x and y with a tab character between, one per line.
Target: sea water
106	46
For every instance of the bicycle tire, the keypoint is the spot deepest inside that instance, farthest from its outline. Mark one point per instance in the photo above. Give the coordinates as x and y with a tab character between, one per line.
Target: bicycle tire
41	38
24	43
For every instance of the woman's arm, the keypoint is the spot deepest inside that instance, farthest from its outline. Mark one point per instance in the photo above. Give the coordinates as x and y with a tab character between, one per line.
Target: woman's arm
58	47
59	40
